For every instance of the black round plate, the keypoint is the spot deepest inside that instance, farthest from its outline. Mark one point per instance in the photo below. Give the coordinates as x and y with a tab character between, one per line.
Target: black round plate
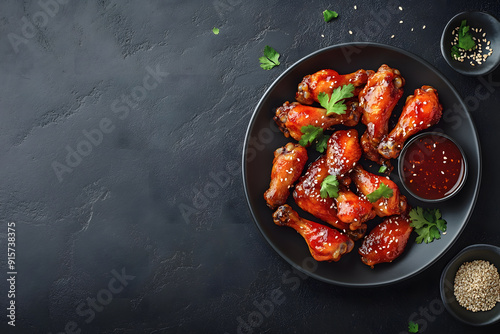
263	138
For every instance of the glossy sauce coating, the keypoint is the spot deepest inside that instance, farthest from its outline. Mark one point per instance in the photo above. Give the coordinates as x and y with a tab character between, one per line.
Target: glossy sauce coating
433	167
386	241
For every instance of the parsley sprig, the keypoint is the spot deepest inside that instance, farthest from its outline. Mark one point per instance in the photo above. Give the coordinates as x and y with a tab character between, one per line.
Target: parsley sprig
313	134
427	223
329	187
270	58
335	103
412	327
383	190
329	15
465	40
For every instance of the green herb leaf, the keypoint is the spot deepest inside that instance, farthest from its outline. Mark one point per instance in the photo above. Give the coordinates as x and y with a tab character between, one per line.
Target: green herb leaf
215	31
334	103
428	224
417	218
455	52
382	169
329	187
270	58
465	40
309	134
313	134
382	191
322	144
412	327
329	15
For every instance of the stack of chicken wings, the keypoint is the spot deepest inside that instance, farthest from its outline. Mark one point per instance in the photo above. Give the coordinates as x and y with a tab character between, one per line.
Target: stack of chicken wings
346	217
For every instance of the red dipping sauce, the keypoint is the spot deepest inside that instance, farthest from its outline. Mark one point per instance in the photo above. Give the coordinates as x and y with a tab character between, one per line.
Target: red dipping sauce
432	167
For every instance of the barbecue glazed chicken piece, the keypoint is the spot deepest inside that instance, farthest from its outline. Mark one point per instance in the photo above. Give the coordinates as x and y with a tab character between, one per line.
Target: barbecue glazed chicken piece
421	111
378	98
353	209
386	241
307	195
325	243
325	81
367	183
288	164
343	152
291	117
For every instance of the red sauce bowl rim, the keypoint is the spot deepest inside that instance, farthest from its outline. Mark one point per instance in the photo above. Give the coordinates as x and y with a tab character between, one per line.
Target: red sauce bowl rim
401	161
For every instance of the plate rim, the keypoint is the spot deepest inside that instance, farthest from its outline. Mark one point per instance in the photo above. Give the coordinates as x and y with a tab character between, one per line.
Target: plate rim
246	146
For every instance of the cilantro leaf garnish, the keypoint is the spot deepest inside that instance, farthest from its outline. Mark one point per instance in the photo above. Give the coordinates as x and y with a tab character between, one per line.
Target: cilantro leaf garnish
313	134
215	31
455	52
334	104
382	191
329	187
427	223
382	169
329	15
412	327
270	58
465	40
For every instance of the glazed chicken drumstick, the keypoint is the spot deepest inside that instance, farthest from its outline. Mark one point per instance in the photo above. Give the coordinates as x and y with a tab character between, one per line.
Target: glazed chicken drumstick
325	81
291	117
325	243
307	195
421	111
386	241
353	210
343	152
288	163
378	98
367	183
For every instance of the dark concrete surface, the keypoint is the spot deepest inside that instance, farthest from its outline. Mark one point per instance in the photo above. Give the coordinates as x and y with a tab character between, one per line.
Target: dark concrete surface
121	130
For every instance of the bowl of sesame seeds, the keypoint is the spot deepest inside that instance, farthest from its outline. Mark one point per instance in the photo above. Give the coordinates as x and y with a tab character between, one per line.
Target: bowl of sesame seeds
470	43
470	285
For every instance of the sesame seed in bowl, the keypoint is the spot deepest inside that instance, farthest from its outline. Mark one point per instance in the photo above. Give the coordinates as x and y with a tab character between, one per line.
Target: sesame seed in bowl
470	285
470	43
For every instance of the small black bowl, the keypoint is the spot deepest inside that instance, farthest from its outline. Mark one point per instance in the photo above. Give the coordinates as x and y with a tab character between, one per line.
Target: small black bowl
484	252
437	137
489	25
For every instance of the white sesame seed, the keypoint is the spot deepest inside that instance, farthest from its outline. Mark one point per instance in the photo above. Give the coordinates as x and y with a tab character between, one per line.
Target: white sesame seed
477	286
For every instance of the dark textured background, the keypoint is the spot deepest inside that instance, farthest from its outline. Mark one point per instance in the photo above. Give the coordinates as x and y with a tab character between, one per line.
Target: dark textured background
119	209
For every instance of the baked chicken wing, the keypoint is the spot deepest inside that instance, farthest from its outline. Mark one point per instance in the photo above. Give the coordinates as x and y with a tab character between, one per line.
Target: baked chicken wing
378	98
343	152
386	241
291	117
288	164
307	195
421	111
353	210
367	183
325	81
325	243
